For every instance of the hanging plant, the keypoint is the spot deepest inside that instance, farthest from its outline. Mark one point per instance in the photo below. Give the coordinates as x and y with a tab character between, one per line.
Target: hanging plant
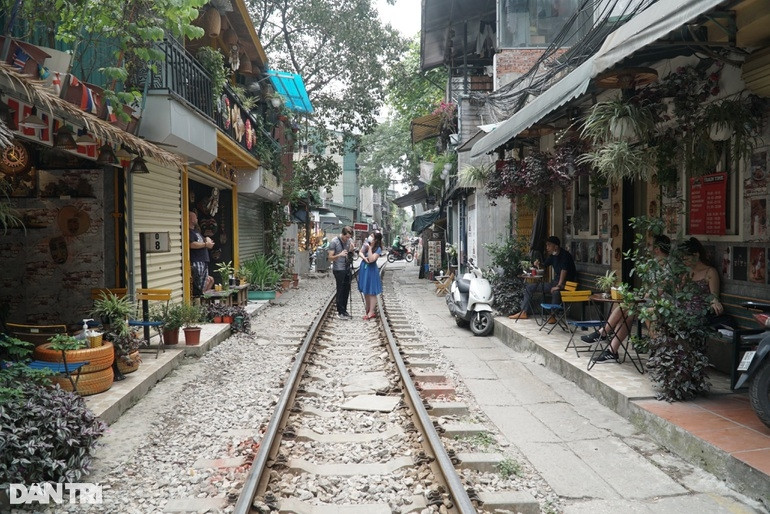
739	120
532	178
620	119
474	176
618	160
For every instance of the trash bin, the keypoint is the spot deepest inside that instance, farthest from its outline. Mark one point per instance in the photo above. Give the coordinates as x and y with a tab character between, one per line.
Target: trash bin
321	260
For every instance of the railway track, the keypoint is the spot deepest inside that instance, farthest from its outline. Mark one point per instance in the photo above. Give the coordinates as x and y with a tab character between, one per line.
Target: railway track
351	432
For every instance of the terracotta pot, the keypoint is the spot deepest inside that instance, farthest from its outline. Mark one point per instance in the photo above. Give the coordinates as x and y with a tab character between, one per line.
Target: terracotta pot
171	336
192	336
217	319
227	319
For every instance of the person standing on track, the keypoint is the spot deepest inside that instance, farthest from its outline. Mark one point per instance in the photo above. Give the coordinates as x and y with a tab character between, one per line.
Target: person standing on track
369	282
339	249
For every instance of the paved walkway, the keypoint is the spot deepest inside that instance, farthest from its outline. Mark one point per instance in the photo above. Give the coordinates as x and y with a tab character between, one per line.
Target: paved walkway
525	382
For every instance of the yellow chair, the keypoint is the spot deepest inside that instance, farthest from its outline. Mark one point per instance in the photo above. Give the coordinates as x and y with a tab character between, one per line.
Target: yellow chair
569	296
142	299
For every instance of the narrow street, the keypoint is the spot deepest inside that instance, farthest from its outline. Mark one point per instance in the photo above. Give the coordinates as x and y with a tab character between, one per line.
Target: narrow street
593	459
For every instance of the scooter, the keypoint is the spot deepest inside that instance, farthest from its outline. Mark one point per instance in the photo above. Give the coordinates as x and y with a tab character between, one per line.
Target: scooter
470	301
397	254
756	364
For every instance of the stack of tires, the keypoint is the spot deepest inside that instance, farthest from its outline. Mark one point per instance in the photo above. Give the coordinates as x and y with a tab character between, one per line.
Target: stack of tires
95	377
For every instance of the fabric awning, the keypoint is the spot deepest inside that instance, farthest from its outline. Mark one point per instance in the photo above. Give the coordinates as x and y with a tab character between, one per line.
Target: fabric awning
411	198
425	127
424	221
643	29
291	87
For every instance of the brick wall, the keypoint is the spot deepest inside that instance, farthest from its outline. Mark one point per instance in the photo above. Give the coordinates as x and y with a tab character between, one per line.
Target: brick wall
512	63
37	288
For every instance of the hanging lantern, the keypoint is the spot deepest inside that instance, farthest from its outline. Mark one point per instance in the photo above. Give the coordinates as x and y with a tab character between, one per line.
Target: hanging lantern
245	66
211	22
230	37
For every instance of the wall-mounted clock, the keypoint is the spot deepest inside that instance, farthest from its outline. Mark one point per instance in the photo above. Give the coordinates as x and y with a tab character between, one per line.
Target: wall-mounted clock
15	159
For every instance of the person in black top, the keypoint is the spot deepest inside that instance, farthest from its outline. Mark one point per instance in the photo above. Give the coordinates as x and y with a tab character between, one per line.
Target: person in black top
199	258
563	270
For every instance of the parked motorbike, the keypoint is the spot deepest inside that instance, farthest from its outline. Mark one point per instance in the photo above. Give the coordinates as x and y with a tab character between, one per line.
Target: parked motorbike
756	364
397	254
470	301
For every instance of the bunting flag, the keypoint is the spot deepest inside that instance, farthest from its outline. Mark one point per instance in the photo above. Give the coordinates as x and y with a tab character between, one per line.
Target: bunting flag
111	116
20	59
56	83
74	82
87	101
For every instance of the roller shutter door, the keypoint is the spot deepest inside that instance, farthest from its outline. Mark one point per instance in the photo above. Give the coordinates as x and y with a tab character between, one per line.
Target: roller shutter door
157	207
251	227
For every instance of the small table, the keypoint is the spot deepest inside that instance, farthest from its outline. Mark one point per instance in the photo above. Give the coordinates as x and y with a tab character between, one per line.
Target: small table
241	294
540	281
224	297
599	299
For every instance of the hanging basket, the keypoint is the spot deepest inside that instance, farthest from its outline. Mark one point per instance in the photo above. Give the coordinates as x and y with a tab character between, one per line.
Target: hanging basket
720	132
211	22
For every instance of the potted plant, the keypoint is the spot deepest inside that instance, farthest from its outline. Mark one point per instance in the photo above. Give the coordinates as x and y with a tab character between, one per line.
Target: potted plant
170	315
214	64
226	270
127	357
607	282
227	314
95	377
191	315
262	278
112	309
214	312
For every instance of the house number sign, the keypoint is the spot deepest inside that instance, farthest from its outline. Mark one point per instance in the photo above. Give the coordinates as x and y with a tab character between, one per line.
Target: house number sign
156	242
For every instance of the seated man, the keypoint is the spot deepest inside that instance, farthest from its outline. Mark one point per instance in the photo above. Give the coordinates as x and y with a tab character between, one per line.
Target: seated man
563	270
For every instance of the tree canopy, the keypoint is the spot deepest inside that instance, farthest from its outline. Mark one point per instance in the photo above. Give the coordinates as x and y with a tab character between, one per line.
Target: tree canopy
341	50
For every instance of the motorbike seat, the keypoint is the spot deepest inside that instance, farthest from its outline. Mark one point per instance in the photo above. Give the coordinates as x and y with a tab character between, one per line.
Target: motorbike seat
463	285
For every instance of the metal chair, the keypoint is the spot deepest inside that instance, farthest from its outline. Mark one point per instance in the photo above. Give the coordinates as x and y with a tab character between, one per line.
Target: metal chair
559	310
142	299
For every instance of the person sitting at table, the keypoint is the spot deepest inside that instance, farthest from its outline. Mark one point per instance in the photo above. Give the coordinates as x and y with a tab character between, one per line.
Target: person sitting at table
563	270
706	278
661	246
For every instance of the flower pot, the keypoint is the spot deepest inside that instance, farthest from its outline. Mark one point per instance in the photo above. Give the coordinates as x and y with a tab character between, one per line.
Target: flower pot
615	293
227	319
171	336
261	295
95	341
192	336
129	368
217	319
622	128
285	283
720	132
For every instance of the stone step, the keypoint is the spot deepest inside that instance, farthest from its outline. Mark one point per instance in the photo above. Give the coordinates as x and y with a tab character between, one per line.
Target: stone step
437	390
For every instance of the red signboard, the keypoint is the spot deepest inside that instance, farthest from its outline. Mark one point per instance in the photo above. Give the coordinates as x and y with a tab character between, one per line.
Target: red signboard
361	226
708	202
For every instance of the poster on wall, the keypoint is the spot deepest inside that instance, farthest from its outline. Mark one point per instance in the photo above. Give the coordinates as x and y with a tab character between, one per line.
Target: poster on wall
739	262
727	259
757	265
604	222
755	198
708	204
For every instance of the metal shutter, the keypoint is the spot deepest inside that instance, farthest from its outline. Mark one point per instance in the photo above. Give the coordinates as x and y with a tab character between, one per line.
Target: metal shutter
251	227
157	207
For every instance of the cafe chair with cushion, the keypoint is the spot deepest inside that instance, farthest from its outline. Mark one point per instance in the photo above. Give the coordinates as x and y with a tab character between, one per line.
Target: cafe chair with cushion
143	297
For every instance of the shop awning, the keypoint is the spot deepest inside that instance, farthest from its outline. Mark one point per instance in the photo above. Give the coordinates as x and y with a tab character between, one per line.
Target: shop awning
424	221
425	127
37	94
411	198
483	131
291	87
643	29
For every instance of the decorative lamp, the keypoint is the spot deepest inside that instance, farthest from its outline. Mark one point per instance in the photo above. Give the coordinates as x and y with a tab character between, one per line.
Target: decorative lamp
85	139
63	139
106	155
139	166
33	121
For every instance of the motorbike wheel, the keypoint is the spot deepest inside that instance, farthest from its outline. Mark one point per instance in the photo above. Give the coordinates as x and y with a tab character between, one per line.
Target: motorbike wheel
408	257
391	257
482	323
461	323
759	392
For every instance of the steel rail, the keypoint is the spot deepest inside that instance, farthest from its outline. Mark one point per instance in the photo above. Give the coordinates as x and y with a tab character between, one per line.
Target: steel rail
270	437
454	485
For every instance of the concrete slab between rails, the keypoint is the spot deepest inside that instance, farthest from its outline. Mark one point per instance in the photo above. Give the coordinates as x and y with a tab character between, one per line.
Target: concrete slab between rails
463	429
520	502
300	507
416	354
429	390
420	363
439	409
199	505
372	403
228	462
347	470
424	376
304	434
483	462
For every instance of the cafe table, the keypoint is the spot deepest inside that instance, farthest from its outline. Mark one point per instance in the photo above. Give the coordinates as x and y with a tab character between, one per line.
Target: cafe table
600	302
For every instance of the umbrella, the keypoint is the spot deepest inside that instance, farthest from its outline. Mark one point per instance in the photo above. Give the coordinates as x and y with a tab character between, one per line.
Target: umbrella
539	233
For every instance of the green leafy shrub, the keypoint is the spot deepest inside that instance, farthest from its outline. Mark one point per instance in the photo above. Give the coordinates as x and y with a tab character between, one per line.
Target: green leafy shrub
507	260
48	435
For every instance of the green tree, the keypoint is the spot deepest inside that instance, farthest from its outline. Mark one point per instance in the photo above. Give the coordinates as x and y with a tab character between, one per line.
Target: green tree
341	50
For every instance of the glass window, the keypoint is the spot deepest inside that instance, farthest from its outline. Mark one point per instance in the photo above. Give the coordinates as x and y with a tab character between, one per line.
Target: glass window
534	23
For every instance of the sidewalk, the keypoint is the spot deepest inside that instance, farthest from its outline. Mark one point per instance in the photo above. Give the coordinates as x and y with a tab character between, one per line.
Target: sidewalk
718	433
